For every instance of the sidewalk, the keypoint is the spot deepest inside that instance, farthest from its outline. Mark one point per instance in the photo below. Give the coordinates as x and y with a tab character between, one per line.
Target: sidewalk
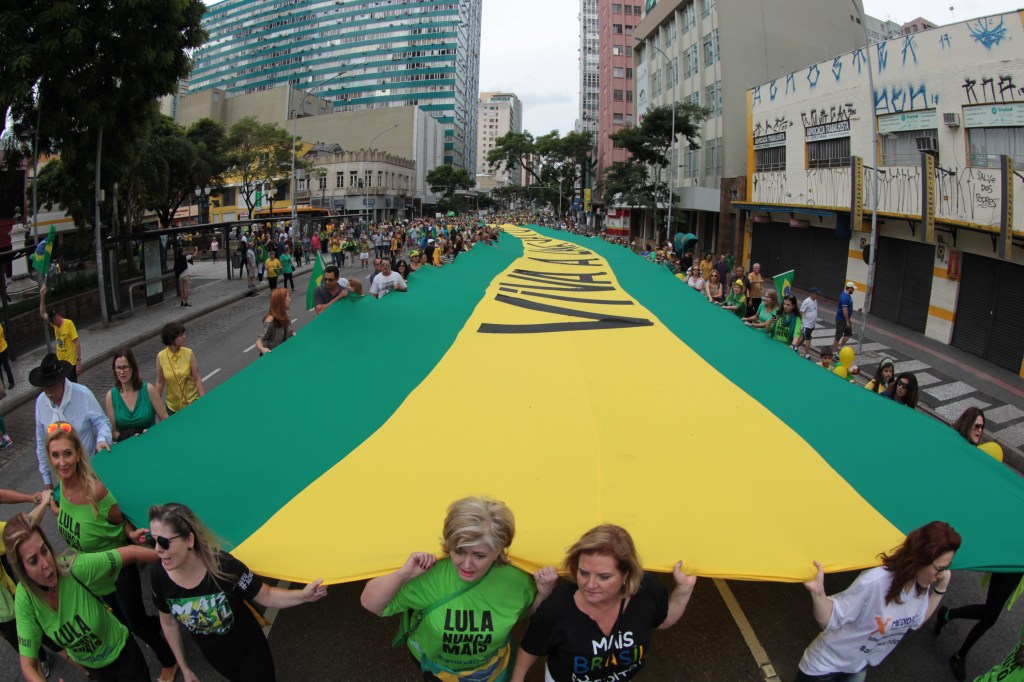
949	379
211	289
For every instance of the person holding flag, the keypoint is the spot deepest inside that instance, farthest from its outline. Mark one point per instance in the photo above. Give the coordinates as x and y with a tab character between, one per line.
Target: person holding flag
69	348
43	253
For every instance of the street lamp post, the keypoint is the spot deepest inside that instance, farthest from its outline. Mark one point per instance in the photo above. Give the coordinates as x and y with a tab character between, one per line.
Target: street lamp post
203	195
872	255
366	196
672	149
295	125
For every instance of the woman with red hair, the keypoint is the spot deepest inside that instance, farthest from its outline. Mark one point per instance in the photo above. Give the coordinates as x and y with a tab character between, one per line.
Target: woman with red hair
863	623
277	324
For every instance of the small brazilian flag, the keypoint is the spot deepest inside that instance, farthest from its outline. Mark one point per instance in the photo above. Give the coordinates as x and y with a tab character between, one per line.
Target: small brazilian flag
44	251
784	283
314	281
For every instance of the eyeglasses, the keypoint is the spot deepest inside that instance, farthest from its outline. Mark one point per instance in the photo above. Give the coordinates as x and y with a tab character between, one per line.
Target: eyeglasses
903	384
63	426
122	368
162	542
980	427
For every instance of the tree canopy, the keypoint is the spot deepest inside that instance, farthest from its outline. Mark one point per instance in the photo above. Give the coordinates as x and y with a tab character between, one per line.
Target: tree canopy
257	154
447	179
555	163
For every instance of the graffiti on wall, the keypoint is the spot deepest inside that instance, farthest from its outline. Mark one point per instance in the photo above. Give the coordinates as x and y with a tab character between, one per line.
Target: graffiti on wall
770	188
780	125
828	186
890	99
899	189
971	193
1001	88
986	31
835	114
909	47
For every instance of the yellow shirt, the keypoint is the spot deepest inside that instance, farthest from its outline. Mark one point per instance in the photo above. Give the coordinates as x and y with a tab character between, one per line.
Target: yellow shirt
273	267
66	334
3	339
177	369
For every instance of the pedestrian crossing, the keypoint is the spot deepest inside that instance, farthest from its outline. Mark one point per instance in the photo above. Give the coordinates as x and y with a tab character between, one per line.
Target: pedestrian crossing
945	396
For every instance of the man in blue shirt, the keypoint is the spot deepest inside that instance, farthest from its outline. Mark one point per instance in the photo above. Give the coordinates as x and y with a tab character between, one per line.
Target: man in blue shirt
844	317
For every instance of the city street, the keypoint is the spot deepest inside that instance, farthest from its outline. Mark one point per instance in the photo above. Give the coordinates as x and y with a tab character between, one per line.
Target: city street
731	631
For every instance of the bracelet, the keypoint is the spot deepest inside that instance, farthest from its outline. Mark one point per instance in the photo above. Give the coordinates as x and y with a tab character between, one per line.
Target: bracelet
938	591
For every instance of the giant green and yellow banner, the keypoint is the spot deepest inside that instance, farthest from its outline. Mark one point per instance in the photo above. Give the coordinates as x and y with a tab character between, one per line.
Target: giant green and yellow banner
581	385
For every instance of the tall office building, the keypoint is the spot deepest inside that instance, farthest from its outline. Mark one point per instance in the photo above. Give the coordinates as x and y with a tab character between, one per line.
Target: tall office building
499	113
615	101
589	69
368	54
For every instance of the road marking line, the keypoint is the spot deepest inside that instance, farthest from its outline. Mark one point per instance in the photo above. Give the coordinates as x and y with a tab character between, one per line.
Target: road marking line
211	374
271	613
295	319
249	348
749	636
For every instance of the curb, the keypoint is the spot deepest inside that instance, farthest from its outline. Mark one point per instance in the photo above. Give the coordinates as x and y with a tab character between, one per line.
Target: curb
104	355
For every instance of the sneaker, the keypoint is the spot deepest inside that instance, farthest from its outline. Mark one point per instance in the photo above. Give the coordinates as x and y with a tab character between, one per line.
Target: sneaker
958	666
44	665
835	357
5	442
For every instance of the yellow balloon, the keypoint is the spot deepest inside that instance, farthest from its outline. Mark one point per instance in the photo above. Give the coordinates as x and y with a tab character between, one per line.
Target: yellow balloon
847	356
841	371
992	449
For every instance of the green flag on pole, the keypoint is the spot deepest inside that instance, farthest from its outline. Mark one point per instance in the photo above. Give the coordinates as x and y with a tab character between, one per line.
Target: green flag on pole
44	251
314	281
784	283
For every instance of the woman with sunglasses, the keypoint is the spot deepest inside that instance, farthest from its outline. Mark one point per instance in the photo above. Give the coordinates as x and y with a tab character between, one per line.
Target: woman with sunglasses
90	520
132	405
203	589
713	288
59	596
904	390
902	593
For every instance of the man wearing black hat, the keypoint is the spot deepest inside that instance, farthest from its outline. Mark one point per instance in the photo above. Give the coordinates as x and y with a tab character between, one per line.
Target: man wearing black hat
63	401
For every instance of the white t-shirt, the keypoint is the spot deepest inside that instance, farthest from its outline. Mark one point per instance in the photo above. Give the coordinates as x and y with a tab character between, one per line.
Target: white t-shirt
863	628
383	285
809	313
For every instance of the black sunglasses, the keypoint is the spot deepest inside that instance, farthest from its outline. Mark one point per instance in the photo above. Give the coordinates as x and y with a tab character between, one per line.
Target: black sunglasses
164	543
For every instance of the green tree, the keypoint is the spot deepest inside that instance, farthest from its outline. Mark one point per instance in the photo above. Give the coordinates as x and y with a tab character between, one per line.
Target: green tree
632	183
446	180
257	154
555	163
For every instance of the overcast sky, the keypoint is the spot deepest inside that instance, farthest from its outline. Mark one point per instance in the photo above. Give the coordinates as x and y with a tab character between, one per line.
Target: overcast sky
531	48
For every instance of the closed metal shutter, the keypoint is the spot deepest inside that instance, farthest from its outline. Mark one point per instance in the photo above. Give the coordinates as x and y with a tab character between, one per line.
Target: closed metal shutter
817	256
990	311
903	282
828	269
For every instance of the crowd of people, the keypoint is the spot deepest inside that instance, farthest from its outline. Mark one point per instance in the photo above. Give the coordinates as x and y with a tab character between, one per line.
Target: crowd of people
596	624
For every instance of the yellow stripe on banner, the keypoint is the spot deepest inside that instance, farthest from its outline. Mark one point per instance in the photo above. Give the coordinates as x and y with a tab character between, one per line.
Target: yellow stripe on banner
534	406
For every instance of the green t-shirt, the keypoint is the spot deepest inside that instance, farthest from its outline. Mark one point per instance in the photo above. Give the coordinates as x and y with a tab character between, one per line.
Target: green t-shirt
1007	670
286	264
92	635
787	329
738	300
467	631
83	530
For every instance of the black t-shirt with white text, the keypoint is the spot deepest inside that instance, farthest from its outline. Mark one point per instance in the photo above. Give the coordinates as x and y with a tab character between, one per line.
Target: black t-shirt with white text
213	612
576	648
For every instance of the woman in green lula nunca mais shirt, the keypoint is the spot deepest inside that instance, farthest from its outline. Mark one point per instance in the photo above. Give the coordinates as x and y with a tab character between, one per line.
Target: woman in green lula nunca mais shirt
61	597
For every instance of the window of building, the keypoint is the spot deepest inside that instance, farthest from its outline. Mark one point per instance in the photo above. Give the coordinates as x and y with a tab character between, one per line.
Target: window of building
629	95
709	50
368	179
617	118
353	179
636	10
616	9
713	98
675	71
829	153
339	179
629	119
691	158
986	145
617	50
617	95
617	72
711	152
301	185
629	30
900	148
629	50
770	159
670	31
707	6
629	72
689	61
617	29
689	16
656	83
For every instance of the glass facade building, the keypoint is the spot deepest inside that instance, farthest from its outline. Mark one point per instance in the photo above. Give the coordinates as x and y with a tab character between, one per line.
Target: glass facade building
376	53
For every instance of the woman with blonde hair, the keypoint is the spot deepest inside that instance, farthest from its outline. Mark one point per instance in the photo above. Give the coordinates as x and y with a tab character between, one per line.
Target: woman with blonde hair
277	323
53	592
768	309
90	520
604	618
203	589
474	583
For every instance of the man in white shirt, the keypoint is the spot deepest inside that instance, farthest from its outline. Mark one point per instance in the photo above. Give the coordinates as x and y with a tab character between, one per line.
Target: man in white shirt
809	318
387	281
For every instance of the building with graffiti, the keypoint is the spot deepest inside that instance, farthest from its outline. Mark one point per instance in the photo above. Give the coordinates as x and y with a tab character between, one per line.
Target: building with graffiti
945	118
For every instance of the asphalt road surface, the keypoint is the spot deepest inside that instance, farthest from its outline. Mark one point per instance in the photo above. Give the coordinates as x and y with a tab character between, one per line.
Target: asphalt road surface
733	631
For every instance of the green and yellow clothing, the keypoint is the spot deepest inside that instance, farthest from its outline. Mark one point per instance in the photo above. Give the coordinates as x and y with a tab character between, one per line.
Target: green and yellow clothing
786	329
92	635
177	368
273	267
83	529
7	587
140	417
3	339
738	300
66	335
335	245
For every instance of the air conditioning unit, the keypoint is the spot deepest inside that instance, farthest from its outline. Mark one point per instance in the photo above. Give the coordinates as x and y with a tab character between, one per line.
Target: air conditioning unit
926	143
951	119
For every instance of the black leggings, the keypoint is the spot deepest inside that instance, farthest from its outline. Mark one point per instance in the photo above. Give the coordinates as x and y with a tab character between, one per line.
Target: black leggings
1000	587
129	666
254	665
126	603
288	281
